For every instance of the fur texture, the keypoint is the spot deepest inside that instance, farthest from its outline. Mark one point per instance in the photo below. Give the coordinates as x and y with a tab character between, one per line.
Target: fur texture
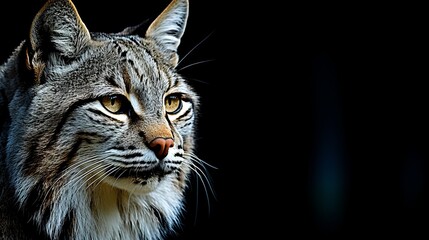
97	129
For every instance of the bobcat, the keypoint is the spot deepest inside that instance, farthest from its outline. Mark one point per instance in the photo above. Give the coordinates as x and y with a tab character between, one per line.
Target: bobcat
97	129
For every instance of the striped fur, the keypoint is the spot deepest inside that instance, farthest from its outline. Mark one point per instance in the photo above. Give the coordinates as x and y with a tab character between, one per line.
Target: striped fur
73	166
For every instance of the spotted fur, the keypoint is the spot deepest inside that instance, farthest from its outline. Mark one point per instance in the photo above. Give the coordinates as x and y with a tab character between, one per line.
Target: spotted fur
92	145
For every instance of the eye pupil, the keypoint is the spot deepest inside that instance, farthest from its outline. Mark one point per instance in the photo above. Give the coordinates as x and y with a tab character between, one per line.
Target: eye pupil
173	104
115	104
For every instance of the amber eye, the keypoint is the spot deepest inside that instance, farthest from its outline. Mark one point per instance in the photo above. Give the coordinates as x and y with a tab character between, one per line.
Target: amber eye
114	103
173	104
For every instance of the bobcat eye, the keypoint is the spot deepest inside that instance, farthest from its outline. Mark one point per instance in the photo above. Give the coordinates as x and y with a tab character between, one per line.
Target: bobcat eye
173	104
114	103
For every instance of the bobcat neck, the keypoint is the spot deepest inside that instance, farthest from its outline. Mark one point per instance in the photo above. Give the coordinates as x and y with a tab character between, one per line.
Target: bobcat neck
106	202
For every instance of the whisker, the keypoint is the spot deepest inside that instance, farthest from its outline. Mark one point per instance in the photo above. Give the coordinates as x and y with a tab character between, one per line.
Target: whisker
195	63
195	157
89	169
75	166
204	39
119	176
70	171
202	174
196	80
101	176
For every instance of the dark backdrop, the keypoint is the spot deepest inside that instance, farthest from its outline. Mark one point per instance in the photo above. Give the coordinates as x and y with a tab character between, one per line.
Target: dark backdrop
313	114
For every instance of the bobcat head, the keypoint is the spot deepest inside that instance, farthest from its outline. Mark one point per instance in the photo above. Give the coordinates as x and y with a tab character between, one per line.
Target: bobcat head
98	128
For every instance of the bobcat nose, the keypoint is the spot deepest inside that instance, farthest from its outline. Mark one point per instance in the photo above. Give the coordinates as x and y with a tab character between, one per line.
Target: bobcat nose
160	146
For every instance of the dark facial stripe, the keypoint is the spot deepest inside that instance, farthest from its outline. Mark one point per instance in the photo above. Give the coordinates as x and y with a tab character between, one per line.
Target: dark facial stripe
128	162
98	112
185	116
32	160
129	156
71	155
64	119
127	79
140	172
111	81
174	82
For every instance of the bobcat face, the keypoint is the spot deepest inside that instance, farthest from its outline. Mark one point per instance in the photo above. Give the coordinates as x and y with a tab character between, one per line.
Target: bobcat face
117	108
152	113
101	126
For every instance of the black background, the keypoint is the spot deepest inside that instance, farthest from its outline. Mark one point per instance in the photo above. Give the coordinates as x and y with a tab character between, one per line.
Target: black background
313	114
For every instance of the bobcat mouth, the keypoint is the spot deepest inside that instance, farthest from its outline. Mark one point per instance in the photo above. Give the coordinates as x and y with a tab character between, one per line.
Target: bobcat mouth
142	174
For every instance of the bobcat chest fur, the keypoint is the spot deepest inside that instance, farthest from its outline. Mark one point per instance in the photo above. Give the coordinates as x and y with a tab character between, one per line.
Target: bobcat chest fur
97	129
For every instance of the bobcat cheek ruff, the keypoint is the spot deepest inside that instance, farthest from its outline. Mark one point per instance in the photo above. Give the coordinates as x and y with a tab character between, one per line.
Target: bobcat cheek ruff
97	129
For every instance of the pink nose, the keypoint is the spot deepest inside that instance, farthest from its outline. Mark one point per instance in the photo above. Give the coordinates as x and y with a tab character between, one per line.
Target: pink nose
160	146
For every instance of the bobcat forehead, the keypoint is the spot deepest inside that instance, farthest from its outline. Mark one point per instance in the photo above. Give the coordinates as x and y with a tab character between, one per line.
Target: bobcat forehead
98	135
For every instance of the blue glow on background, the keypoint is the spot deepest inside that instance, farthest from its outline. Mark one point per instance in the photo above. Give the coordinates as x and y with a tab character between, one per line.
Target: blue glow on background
327	172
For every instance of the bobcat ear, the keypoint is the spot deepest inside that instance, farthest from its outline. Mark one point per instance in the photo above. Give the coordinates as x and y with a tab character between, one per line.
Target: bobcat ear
57	27
168	28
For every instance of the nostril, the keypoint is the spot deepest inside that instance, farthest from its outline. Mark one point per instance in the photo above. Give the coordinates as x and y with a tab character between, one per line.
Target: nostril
160	146
169	143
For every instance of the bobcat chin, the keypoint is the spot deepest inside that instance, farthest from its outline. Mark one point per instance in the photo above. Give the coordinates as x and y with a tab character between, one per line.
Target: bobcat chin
97	129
